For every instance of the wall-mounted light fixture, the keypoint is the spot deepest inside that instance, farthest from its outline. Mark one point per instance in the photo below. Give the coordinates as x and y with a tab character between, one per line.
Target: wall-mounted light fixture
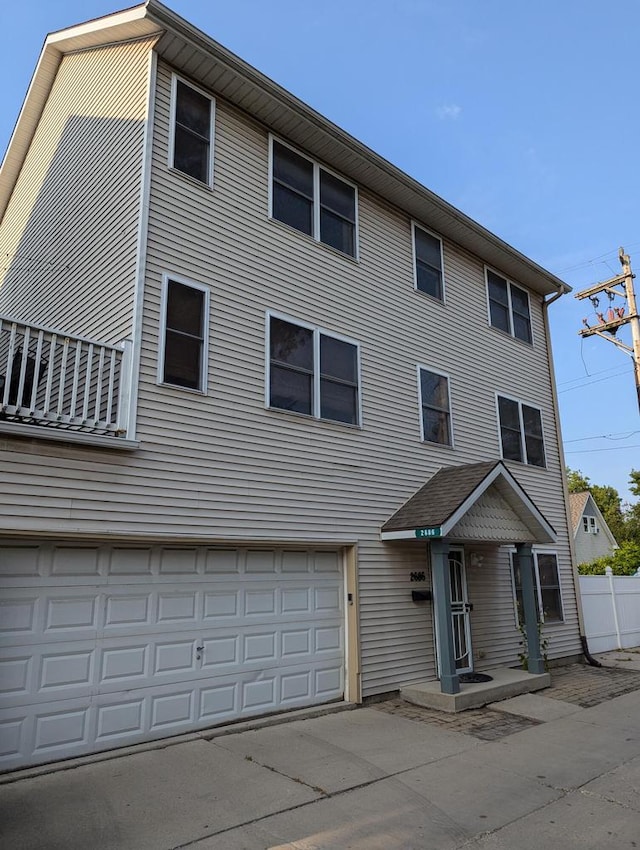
475	560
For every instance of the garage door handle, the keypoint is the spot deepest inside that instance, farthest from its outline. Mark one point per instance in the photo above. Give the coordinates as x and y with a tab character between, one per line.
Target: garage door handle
199	651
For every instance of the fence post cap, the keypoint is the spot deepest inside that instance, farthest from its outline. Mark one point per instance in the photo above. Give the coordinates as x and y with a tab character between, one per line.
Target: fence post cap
608	571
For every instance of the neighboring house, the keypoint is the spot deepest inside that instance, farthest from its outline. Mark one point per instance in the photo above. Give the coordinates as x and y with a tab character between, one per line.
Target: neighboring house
258	387
592	537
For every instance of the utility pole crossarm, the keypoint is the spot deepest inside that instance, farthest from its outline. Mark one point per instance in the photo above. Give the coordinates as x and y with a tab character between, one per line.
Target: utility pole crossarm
604	286
607	328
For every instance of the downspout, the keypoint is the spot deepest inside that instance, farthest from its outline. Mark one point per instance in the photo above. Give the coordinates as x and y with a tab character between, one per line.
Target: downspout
563	467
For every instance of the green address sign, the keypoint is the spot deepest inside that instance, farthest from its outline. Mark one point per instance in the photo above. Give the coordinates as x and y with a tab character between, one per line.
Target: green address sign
429	532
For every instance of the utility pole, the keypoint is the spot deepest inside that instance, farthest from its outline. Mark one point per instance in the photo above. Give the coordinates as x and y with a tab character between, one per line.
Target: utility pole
615	317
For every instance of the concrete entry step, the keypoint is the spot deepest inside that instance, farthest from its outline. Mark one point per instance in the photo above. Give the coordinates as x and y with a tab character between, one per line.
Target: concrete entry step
506	682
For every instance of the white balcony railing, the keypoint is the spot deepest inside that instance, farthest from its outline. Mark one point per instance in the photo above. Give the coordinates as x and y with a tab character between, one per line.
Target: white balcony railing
52	379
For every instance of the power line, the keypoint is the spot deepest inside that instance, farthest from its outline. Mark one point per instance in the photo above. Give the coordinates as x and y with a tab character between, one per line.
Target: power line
591	451
590	375
615	436
588	383
593	260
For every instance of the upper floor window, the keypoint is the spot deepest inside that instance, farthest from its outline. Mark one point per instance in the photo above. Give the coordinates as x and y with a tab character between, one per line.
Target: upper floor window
547	587
183	337
589	524
312	372
192	114
509	307
435	406
308	197
427	257
521	432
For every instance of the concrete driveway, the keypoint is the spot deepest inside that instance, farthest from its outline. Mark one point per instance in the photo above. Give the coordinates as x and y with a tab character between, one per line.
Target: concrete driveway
367	779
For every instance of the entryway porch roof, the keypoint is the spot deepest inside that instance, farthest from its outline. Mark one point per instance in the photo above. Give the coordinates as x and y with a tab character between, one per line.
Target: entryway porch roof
470	502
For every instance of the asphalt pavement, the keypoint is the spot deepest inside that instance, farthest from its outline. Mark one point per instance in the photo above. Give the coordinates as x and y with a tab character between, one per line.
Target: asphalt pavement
560	775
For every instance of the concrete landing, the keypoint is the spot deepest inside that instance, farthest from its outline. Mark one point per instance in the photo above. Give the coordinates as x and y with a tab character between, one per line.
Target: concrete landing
506	682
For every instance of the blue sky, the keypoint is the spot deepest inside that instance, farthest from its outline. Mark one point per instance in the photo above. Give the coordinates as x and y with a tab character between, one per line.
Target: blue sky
523	115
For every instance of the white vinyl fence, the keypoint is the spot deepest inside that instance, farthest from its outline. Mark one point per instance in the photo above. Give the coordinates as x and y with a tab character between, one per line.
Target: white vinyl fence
611	607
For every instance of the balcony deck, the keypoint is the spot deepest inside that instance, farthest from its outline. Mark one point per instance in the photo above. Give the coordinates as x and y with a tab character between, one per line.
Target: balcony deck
56	383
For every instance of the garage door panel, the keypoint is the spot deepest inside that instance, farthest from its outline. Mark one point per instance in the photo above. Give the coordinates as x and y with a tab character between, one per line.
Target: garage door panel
63	729
44	672
18	615
103	646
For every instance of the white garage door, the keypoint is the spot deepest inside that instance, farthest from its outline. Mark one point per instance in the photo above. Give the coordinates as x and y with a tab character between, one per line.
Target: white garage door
104	646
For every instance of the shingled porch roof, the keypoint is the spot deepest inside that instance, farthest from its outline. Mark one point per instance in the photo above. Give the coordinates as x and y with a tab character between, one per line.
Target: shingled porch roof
439	506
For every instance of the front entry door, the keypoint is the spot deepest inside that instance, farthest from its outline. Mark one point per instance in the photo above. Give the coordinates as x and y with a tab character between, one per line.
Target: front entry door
460	612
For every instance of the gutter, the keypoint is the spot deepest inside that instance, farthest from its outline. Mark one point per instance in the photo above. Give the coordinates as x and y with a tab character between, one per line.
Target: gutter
563	290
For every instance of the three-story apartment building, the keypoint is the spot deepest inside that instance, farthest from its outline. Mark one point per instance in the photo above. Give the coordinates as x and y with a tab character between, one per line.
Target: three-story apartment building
277	423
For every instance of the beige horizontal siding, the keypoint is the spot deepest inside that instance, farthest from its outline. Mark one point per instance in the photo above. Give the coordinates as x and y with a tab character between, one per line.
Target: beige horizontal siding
222	467
69	233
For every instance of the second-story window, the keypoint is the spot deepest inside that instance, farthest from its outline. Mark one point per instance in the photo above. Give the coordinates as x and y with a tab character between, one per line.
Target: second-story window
312	372
192	132
313	200
183	354
521	432
435	407
427	254
508	307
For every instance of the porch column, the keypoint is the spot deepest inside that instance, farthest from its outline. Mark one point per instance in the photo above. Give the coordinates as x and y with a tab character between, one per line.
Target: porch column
525	562
449	681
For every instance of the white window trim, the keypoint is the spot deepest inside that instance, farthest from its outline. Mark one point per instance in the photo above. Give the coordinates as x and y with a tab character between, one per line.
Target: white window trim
523	447
538	550
317	167
175	78
419	367
509	283
204	366
591	524
317	331
417	224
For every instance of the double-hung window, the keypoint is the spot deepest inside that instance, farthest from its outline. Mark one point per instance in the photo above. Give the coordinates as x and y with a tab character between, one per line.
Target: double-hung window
508	307
435	407
521	434
312	372
192	116
427	258
183	339
547	587
312	200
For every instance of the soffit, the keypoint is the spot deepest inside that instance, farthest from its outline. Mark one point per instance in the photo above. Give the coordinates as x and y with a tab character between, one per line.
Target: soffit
209	63
216	68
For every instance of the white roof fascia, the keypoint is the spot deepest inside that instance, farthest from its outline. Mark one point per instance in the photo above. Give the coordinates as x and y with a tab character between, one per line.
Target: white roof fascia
603	523
173	22
121	26
406	534
154	17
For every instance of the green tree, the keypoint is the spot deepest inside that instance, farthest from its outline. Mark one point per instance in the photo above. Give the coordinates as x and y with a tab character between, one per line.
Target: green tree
623	519
625	561
577	482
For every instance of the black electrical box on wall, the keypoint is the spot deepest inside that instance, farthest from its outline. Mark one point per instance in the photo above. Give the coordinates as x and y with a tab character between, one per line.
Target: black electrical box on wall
421	595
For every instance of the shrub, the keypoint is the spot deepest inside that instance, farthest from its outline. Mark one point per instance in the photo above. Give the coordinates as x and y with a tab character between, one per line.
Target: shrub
625	561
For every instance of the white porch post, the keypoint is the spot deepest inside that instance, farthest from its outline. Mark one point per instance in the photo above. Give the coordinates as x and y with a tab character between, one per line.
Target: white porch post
449	681
527	583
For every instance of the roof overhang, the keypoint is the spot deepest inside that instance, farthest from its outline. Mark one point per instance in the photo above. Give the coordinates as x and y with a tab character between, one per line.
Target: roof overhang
429	515
195	54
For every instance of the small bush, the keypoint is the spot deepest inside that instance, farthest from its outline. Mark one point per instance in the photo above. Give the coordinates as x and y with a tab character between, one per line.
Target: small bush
625	561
